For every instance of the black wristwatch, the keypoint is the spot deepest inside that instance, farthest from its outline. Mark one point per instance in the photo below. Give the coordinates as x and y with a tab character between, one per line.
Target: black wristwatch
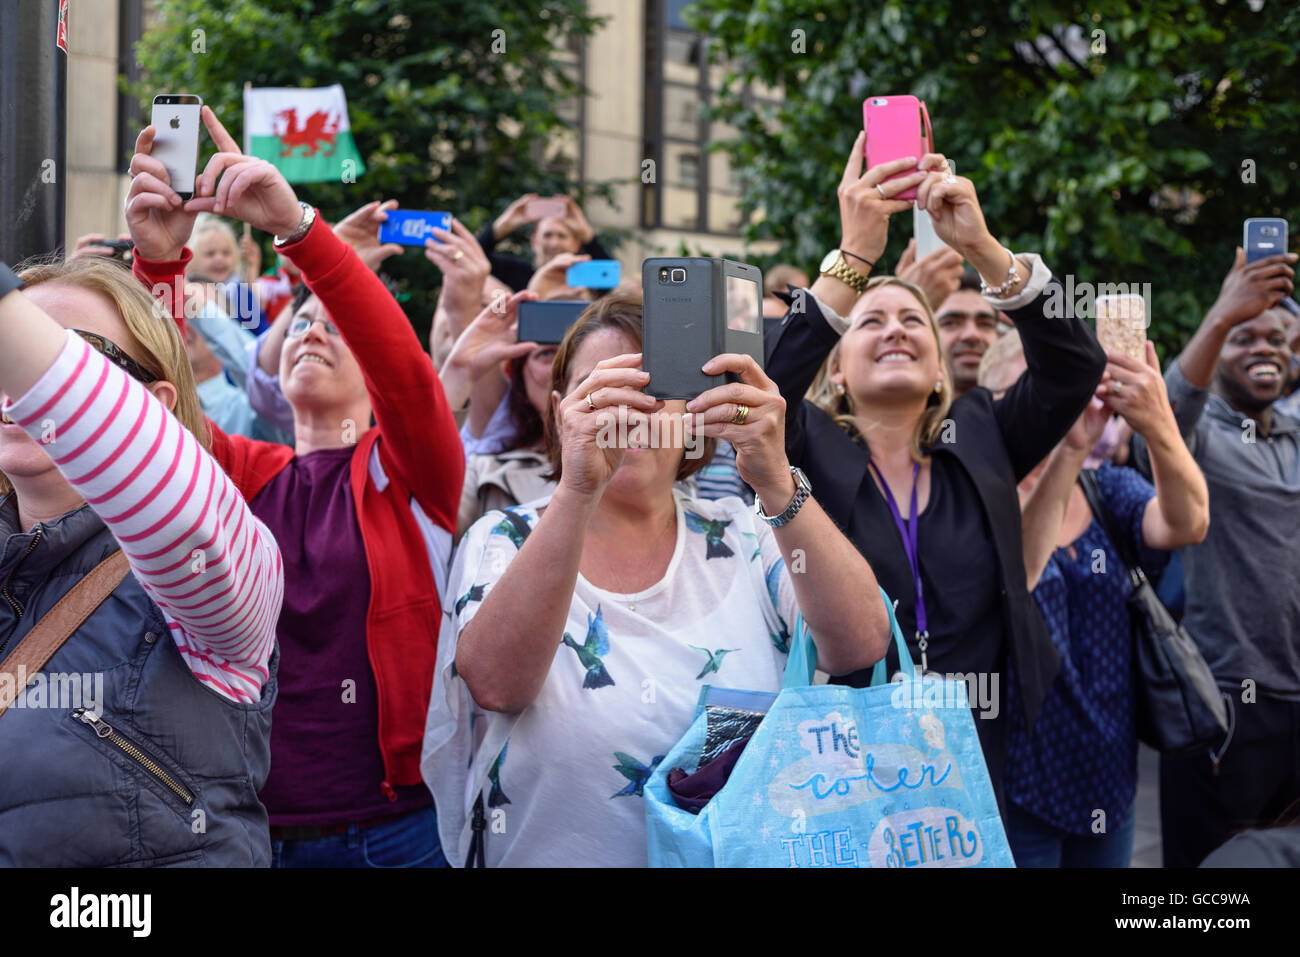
9	281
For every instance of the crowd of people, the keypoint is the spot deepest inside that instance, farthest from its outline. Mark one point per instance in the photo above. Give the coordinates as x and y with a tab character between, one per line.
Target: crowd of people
352	595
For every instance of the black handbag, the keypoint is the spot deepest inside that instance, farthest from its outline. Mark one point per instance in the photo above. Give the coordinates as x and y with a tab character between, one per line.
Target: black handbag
1179	706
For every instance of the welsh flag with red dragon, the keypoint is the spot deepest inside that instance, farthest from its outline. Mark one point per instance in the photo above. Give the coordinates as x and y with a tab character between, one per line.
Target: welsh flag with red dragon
304	132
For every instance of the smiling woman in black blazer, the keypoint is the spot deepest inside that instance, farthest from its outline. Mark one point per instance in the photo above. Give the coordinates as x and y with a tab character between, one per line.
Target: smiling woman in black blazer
882	440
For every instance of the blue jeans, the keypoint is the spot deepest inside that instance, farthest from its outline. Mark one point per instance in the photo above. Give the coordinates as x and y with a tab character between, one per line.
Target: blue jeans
409	840
1035	843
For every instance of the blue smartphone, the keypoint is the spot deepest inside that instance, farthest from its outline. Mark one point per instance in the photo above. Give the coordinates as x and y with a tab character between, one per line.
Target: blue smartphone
593	274
411	227
1262	238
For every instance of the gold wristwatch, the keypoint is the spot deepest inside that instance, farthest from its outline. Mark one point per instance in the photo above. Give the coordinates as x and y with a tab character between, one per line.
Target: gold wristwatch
835	265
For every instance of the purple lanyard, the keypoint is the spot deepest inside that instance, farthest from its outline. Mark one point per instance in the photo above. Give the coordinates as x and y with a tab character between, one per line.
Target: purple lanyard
908	532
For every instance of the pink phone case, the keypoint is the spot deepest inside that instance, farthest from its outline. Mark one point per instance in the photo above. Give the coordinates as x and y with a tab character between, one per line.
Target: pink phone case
896	126
545	208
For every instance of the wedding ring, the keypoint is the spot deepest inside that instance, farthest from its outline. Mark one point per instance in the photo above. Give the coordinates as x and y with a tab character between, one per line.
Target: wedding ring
1115	386
881	192
457	255
742	413
950	178
590	405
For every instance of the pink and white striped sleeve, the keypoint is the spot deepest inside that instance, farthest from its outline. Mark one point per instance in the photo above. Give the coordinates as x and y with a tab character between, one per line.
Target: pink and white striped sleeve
191	540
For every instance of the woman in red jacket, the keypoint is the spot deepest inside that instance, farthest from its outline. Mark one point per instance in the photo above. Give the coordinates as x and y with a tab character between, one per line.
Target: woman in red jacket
364	515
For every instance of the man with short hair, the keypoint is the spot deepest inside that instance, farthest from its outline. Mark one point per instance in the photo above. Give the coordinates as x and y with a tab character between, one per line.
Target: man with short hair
968	325
1243	581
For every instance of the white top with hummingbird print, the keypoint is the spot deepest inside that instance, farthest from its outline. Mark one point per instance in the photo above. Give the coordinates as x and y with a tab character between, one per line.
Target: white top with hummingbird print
562	781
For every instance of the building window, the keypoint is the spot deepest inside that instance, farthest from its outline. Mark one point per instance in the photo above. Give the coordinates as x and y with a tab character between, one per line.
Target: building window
694	188
688	170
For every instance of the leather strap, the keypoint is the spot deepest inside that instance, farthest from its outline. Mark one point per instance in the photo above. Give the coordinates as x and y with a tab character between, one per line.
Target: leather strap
58	624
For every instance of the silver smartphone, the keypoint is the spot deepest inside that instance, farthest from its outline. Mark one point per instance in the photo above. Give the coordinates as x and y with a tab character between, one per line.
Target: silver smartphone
927	240
176	142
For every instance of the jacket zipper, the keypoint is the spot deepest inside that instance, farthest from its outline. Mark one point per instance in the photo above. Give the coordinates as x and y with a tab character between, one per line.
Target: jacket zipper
13	603
105	730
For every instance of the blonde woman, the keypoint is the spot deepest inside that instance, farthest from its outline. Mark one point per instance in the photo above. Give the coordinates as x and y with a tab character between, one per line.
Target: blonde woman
925	484
103	450
218	260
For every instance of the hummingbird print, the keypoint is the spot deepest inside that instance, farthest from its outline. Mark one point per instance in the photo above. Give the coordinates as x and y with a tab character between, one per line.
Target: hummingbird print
497	797
475	593
712	530
715	659
637	774
513	527
589	653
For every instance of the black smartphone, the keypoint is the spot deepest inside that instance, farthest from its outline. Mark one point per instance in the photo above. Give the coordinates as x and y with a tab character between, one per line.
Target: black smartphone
121	247
546	322
1263	237
176	122
693	310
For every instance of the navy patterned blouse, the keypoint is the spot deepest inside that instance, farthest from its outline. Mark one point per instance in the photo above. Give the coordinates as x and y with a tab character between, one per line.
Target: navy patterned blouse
1082	755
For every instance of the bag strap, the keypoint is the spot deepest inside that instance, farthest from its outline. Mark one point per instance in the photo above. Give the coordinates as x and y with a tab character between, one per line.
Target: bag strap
801	663
478	841
58	624
1097	503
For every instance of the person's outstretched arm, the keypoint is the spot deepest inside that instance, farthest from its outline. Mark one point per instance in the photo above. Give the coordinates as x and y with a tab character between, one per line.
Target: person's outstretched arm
191	540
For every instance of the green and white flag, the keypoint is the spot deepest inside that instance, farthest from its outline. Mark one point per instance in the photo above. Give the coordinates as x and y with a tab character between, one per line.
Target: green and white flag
304	132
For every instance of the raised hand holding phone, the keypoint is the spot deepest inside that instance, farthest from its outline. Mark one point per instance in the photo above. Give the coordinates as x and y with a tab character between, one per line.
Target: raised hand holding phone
614	388
155	213
358	229
867	200
244	187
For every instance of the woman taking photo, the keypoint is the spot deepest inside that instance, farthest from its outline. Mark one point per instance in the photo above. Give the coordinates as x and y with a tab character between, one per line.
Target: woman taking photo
583	629
364	515
167	591
924	485
1082	755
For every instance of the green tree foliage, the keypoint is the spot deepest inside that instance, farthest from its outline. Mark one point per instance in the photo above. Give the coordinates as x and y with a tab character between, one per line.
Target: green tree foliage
1127	142
453	105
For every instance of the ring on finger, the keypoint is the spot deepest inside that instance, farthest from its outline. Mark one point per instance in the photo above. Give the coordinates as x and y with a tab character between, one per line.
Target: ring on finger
742	413
457	255
881	191
591	406
950	178
1116	386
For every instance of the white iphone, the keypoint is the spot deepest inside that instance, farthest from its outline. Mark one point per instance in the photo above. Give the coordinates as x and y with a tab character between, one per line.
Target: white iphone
176	142
927	240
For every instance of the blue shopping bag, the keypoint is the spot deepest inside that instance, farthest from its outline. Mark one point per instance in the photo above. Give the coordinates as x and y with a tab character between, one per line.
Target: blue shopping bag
886	776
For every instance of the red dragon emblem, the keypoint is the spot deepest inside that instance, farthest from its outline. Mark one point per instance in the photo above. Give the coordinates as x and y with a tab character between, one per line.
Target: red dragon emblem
319	128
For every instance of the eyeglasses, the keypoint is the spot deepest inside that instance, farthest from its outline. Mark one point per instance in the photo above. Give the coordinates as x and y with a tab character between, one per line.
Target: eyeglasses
114	354
300	326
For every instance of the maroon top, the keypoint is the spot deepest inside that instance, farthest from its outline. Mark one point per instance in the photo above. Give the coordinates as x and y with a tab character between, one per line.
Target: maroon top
325	760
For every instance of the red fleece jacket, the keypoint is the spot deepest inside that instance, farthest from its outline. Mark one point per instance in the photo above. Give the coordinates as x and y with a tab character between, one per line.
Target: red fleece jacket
420	452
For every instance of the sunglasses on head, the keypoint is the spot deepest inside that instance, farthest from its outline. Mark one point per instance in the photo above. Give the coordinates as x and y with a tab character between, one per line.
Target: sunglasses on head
113	353
300	325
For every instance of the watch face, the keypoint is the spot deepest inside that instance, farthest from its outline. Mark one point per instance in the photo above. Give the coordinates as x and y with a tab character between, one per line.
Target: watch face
829	261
